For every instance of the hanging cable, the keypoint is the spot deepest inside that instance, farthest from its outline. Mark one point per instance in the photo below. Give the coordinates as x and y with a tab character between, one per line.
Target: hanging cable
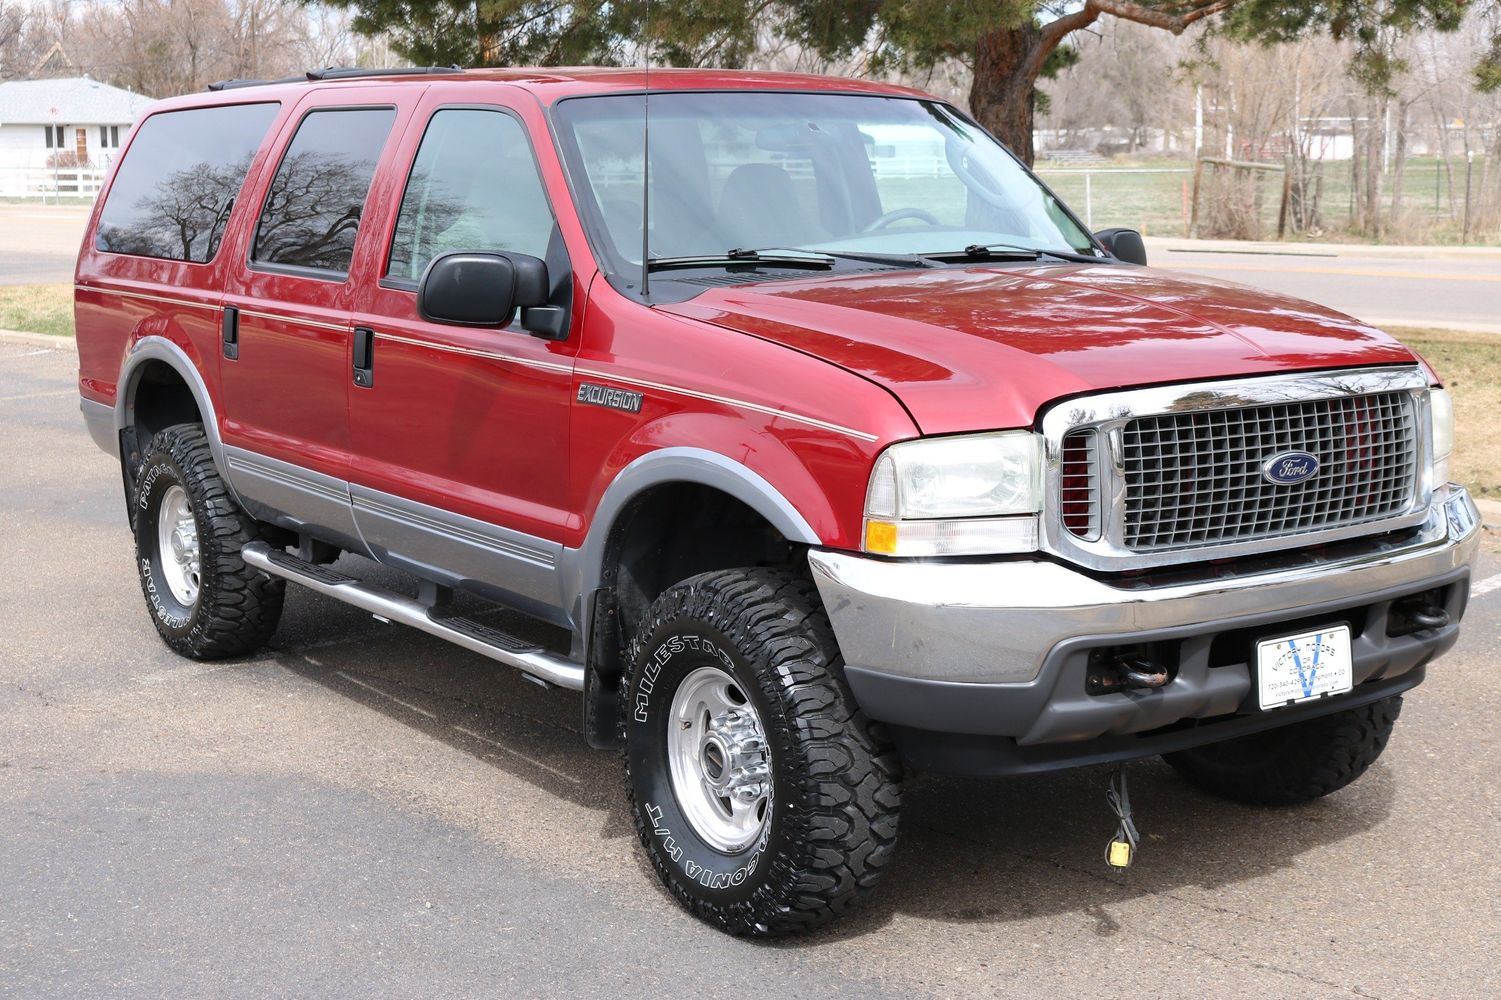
1120	853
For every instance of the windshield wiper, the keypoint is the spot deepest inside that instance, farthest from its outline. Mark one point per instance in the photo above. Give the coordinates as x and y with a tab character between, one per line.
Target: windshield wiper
1011	251
739	255
894	259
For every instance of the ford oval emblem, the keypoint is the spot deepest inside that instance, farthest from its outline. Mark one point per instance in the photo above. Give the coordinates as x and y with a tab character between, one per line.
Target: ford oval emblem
1290	468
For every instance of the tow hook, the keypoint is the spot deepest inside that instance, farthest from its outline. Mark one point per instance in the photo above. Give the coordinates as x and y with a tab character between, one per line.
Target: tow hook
1126	673
1420	613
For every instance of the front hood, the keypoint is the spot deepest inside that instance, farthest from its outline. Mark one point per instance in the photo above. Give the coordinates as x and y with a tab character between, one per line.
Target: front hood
986	347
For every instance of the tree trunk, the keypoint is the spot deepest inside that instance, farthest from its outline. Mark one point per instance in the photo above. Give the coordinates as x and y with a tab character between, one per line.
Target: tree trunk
1399	170
1007	63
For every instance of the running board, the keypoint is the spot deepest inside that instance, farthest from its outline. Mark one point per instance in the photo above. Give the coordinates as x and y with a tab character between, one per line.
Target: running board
530	659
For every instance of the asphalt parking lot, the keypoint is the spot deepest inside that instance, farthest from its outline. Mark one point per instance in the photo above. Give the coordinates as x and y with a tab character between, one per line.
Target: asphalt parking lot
363	811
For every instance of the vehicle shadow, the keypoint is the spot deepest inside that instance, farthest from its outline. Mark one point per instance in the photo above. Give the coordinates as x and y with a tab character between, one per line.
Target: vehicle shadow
971	851
977	850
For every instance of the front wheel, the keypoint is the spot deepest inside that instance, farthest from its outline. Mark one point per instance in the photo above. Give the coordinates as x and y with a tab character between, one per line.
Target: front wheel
765	799
1292	764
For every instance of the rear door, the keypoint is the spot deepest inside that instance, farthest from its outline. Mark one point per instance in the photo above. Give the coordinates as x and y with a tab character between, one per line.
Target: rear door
286	330
460	435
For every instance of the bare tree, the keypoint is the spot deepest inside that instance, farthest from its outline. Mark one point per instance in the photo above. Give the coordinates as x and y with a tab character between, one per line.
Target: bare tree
14	44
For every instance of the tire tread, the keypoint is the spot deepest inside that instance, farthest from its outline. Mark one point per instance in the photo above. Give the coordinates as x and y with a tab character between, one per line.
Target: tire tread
1299	763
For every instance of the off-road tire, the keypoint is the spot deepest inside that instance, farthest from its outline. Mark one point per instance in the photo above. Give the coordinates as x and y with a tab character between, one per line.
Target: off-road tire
836	780
237	607
1292	764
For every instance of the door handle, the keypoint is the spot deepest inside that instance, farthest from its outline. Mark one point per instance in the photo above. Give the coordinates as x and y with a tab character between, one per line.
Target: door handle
364	357
231	333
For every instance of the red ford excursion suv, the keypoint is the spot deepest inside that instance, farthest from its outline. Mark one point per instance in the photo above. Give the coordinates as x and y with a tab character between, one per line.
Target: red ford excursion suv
832	439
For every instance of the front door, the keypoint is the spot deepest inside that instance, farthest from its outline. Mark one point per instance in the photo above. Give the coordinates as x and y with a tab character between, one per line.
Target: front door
286	336
460	435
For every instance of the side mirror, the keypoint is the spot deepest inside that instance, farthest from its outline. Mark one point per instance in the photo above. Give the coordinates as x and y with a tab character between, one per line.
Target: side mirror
486	289
1123	244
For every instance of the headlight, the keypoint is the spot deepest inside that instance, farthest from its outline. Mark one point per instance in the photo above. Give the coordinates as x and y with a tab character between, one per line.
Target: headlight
1441	412
969	495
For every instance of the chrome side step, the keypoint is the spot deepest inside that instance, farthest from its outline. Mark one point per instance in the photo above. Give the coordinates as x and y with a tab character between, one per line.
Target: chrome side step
530	659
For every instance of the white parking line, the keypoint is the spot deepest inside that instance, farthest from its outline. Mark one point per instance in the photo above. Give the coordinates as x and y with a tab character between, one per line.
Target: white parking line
1485	586
389	697
516	753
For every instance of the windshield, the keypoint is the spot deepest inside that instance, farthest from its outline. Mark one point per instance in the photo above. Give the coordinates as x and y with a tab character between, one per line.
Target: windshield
794	171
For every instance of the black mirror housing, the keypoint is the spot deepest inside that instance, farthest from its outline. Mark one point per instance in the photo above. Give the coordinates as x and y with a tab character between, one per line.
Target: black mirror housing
1123	244
481	289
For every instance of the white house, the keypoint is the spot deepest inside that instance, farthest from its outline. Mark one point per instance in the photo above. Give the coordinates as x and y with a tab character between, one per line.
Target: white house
60	135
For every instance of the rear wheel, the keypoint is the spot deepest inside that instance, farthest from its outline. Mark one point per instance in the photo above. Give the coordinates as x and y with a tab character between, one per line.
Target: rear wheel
1291	764
765	799
203	599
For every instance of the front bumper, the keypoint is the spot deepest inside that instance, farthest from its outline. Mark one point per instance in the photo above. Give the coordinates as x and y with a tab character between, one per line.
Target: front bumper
1001	648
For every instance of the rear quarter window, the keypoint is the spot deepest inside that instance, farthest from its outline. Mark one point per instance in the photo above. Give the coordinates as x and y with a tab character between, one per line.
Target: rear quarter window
172	194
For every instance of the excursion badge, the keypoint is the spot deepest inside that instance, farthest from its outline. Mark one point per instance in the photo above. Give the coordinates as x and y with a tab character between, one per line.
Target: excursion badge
610	398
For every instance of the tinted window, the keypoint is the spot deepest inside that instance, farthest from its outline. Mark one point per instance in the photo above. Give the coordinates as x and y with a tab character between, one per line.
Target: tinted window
474	186
312	211
173	192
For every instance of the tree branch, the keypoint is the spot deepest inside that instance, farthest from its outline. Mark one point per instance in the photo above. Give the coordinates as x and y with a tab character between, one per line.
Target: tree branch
1174	19
1054	32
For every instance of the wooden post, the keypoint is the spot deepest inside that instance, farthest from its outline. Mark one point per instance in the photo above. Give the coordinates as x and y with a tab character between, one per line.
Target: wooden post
1287	190
1469	170
1193	215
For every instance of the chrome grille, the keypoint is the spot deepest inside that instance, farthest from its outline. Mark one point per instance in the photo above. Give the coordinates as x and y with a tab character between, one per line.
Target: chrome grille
1193	479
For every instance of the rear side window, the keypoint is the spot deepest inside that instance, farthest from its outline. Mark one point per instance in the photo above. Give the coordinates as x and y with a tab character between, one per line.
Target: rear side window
172	194
312	211
474	186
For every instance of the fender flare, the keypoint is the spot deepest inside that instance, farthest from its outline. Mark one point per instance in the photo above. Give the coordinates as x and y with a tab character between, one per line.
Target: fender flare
158	348
583	567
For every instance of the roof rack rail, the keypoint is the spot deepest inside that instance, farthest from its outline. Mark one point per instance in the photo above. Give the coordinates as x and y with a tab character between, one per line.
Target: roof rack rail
337	73
237	84
353	72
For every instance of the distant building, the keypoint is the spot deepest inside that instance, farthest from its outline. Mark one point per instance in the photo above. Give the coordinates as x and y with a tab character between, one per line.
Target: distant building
72	124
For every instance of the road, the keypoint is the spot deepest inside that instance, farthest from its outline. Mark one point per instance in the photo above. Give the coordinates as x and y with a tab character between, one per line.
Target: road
39	243
1454	288
364	811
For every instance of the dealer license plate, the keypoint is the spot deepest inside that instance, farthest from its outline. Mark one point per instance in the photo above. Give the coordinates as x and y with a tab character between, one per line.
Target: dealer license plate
1304	667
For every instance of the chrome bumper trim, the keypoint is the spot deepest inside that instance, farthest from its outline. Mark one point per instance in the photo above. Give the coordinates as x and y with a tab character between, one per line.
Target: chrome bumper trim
996	622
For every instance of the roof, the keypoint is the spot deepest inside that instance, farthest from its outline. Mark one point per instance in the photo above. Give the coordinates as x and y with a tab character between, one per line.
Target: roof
66	101
553	83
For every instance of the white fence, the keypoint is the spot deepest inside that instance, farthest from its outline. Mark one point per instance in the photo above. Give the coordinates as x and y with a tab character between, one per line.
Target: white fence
48	183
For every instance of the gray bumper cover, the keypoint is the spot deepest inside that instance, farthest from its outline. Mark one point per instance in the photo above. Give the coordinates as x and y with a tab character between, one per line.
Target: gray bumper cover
1000	648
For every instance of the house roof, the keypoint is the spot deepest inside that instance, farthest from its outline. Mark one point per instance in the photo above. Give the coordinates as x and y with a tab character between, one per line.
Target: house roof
68	101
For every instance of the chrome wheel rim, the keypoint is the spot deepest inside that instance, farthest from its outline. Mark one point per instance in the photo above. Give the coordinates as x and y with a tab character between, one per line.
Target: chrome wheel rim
720	761
177	542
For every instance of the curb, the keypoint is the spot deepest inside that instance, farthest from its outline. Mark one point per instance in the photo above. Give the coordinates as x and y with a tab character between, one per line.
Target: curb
1387	324
1272	248
36	340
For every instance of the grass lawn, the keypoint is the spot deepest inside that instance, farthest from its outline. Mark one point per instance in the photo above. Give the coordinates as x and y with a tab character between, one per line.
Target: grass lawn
1470	365
37	309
